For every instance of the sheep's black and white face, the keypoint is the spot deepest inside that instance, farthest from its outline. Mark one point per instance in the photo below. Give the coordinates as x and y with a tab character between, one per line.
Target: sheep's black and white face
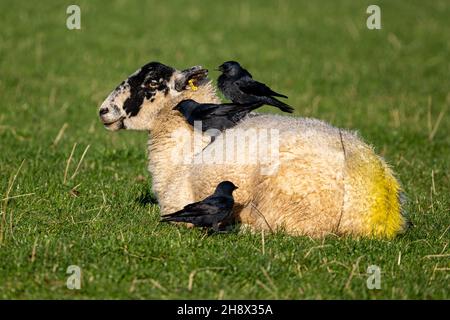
136	101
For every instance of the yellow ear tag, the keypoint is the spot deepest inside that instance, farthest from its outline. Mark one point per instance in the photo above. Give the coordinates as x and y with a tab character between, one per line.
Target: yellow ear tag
192	85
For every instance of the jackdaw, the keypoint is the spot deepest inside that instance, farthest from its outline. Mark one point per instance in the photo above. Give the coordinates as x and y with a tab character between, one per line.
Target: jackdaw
215	116
237	84
209	212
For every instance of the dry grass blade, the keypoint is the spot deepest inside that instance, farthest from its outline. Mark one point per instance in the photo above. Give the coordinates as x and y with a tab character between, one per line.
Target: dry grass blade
60	134
433	185
19	196
5	201
316	247
191	280
79	162
69	160
352	273
270	280
430	256
33	250
442	235
437	123
263	243
158	285
132	287
261	215
262	285
429	124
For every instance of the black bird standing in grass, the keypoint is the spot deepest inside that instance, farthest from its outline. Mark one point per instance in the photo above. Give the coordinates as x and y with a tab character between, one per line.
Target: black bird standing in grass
237	84
210	211
215	116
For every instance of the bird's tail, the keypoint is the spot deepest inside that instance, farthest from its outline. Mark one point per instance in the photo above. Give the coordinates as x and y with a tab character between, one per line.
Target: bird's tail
280	105
172	217
167	219
248	107
175	219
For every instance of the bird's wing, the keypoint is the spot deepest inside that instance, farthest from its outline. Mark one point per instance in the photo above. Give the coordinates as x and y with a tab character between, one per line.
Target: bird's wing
227	108
256	88
204	111
244	72
208	111
201	208
210	205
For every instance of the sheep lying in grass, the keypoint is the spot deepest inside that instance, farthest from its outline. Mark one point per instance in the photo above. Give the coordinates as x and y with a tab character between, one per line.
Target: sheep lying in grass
326	181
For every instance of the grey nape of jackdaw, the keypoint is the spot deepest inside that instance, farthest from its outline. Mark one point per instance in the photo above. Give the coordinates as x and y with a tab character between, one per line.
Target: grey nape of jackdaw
209	212
237	85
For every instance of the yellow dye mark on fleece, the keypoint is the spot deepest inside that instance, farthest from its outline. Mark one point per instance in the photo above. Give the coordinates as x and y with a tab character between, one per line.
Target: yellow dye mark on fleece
192	85
384	219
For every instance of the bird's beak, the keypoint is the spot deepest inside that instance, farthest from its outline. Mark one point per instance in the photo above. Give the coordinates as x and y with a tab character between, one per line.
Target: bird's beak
175	108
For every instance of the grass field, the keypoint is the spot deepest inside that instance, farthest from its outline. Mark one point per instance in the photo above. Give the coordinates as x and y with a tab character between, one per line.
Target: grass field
392	85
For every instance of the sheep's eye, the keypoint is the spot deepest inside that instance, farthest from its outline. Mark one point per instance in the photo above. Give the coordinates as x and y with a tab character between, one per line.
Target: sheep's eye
153	84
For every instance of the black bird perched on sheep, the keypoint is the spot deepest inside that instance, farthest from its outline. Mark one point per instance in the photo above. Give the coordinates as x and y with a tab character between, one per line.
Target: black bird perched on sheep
209	212
237	85
215	116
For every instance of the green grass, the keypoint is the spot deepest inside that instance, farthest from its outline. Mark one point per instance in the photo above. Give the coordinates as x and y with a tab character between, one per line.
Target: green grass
391	85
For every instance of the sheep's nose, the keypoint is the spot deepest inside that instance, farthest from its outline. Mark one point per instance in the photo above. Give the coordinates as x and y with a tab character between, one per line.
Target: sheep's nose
103	111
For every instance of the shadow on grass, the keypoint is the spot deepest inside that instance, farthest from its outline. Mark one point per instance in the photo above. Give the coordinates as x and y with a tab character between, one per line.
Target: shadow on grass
146	197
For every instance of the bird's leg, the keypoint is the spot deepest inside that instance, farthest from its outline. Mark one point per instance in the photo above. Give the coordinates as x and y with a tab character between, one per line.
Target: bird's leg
216	229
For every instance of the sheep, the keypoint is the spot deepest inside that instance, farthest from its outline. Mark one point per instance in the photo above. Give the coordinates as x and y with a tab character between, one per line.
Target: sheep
326	180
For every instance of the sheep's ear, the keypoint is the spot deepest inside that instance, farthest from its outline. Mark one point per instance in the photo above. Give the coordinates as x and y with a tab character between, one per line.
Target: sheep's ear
196	74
